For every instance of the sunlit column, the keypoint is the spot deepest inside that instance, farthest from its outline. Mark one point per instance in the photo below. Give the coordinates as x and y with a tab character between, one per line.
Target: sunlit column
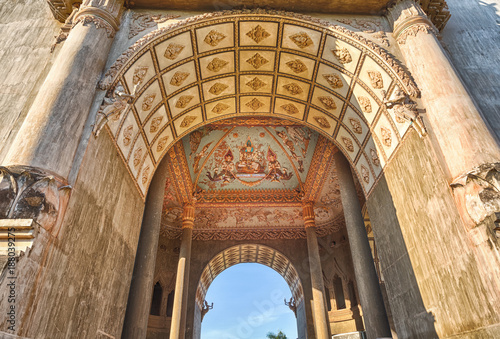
321	323
179	311
50	134
370	295
141	288
462	138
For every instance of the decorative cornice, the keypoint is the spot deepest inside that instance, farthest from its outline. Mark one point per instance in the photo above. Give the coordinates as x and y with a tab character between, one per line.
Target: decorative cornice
413	30
435	10
111	75
102	13
143	21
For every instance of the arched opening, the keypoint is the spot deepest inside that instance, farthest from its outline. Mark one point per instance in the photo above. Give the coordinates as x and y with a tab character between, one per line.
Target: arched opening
248	302
260	254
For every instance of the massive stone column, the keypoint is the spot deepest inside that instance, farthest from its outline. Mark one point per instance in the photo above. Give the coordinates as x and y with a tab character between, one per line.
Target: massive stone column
321	323
458	130
370	295
141	288
179	311
50	134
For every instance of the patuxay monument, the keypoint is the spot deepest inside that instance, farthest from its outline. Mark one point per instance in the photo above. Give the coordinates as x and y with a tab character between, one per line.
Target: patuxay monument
148	145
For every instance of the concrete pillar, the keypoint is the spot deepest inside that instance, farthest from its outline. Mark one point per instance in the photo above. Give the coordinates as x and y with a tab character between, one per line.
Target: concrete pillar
370	295
141	288
179	312
321	323
50	134
459	133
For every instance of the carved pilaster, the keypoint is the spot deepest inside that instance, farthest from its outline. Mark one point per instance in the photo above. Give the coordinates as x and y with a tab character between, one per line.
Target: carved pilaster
308	214
102	13
31	193
408	19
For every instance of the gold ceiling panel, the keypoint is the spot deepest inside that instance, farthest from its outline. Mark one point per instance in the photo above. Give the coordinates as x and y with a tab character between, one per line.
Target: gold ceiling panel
249	253
209	68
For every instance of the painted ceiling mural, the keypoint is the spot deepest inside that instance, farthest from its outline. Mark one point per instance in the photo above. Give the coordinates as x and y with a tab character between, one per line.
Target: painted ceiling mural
256	63
249	178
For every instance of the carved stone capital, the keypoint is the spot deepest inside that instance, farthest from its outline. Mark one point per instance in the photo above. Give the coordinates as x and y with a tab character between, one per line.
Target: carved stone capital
308	214
188	216
102	13
408	19
31	193
477	192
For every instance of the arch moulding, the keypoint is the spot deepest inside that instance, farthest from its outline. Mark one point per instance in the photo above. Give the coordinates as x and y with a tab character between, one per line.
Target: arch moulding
255	64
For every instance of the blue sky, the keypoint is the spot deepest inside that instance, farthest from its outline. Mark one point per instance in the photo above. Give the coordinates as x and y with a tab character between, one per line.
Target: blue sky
248	303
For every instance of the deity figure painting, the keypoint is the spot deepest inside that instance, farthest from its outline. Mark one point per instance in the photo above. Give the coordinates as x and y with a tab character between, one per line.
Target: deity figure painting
225	171
250	160
276	172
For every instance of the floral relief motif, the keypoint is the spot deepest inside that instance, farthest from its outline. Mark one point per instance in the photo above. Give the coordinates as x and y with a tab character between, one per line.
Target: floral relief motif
218	88
137	157
147	103
139	74
348	144
342	55
173	50
155	125
178	78
257	61
302	40
293	88
258	34
334	80
365	103
216	65
290	108
328	102
213	38
256	84
127	135
386	136
365	173
356	125
187	121
162	142
254	104
220	107
322	122
183	101
376	79
145	175
297	66
375	158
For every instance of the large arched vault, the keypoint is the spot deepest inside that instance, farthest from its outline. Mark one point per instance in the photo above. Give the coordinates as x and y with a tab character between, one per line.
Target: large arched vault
254	63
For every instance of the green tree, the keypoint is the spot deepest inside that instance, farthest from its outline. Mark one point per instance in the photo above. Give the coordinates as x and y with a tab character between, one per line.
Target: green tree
280	335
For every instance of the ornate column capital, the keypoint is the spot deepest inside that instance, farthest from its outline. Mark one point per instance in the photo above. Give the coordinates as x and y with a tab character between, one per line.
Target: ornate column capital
408	18
308	214
102	13
188	215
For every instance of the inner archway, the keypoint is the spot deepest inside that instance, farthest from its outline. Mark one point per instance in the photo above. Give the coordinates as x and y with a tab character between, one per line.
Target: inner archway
252	253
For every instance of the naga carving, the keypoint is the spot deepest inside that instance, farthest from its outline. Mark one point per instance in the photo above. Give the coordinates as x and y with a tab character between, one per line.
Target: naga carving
405	109
30	193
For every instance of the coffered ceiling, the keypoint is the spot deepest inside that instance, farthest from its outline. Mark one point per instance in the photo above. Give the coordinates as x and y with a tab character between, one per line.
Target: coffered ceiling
244	64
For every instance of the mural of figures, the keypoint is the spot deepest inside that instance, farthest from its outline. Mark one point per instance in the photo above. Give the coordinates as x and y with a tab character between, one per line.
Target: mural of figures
276	172
250	160
225	172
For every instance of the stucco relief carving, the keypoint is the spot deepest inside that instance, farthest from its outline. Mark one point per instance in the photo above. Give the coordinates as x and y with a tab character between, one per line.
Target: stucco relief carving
413	31
87	19
141	22
328	102
254	104
257	61
258	34
297	66
30	193
405	109
112	108
213	38
477	192
256	84
334	80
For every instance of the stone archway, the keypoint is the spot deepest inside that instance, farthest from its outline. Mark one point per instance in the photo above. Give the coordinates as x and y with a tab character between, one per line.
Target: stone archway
251	253
255	63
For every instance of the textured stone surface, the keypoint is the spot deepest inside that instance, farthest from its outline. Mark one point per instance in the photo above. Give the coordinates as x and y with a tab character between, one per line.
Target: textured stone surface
439	283
472	37
27	30
76	284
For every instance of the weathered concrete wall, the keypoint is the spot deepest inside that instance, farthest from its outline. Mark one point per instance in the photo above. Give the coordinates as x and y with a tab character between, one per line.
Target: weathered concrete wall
77	284
472	38
27	30
439	282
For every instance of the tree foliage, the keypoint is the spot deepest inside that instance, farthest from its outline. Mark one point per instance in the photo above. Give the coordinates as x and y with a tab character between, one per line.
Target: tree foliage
280	335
